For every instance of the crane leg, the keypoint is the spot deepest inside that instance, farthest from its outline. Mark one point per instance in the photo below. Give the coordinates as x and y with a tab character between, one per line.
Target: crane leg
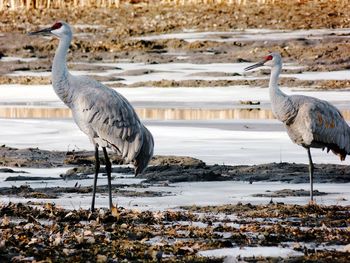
97	168
311	174
109	177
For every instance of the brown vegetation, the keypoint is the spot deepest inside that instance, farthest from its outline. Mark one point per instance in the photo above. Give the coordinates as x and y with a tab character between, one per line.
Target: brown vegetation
51	234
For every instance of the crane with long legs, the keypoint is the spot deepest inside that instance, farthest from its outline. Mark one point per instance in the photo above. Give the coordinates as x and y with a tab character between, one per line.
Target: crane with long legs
102	113
310	122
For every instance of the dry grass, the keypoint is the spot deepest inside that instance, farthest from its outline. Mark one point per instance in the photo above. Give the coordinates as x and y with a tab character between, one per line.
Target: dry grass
50	4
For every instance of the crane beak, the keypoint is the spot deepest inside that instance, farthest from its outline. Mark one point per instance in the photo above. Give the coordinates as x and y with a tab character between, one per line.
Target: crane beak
43	32
259	64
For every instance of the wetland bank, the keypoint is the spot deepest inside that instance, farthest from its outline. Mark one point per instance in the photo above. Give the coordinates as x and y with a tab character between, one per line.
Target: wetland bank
226	183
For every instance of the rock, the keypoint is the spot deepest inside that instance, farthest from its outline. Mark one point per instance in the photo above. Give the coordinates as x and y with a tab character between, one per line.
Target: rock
184	161
8	170
249	102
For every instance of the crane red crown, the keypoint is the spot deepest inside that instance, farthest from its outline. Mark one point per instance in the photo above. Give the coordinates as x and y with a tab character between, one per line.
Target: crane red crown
57	25
269	57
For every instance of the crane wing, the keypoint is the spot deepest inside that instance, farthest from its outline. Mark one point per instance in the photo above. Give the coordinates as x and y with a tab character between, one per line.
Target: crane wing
327	126
109	119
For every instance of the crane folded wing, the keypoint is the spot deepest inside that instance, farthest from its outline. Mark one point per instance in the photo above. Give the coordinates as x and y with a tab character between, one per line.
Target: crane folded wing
108	118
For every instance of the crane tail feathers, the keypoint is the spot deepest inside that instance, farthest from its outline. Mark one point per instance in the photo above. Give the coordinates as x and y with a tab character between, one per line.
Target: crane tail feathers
342	154
146	152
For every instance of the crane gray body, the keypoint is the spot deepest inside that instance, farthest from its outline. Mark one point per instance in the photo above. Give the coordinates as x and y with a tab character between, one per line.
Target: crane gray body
102	113
315	123
310	122
107	118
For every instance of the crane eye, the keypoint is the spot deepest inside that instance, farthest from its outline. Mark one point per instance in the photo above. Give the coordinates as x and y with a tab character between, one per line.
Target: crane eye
56	25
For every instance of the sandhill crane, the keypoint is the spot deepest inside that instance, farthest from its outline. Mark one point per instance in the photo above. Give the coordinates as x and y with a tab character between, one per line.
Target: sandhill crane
310	122
102	113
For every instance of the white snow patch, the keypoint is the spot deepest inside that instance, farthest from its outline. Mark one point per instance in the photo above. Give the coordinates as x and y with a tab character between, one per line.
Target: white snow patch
249	35
250	252
187	194
11	59
321	75
221	97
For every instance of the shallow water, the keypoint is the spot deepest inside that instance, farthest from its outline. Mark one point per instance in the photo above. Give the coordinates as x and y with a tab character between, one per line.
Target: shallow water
144	113
195	114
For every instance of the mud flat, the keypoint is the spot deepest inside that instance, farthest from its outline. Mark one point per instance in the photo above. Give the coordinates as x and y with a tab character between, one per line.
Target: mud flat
170	168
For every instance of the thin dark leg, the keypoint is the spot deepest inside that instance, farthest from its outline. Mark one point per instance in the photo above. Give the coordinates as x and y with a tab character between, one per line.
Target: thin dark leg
311	174
109	177
97	168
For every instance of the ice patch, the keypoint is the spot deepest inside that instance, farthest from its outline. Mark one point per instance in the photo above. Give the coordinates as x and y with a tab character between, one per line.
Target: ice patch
11	59
232	253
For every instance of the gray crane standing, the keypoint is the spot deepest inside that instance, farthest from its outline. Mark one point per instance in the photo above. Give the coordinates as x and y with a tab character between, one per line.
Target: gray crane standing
310	122
102	113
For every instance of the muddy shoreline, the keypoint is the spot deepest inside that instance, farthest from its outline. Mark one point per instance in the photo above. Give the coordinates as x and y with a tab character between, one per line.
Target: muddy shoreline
162	171
168	168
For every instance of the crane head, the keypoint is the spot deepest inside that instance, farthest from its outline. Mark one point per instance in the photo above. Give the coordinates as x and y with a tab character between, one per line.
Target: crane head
58	29
271	60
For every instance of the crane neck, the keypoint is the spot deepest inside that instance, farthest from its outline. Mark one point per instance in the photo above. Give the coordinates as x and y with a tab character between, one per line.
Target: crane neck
281	105
59	66
60	74
273	85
